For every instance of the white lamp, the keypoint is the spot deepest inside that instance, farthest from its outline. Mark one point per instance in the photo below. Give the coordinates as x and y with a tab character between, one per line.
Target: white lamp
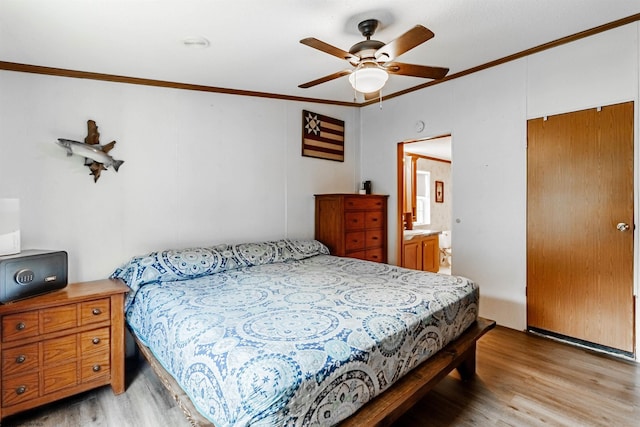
9	226
368	77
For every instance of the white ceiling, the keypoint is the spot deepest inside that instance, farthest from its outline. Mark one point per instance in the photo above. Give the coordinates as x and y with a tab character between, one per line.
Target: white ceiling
254	44
439	148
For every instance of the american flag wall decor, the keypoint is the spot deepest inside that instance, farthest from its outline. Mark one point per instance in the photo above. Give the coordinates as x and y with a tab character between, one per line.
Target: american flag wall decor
322	136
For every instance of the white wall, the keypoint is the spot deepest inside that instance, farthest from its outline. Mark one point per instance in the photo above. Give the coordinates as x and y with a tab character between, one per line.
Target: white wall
486	113
205	168
200	168
440	212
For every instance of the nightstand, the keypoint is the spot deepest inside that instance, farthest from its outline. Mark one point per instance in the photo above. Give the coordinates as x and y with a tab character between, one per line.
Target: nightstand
62	343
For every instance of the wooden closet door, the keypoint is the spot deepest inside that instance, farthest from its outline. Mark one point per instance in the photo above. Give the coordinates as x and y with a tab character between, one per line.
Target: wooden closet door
579	188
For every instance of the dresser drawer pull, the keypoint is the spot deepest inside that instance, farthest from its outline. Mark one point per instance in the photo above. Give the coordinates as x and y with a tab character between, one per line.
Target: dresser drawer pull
21	389
96	311
20	326
96	340
21	358
96	368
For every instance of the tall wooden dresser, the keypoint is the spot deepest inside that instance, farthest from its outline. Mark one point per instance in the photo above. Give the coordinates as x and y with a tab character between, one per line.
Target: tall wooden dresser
353	225
62	343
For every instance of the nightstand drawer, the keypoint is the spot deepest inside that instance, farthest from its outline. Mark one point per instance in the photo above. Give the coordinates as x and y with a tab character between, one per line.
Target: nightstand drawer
58	318
61	376
95	367
60	350
95	311
97	340
20	360
20	389
18	326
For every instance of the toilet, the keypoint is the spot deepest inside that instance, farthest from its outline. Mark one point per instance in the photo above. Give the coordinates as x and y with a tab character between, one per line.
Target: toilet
445	248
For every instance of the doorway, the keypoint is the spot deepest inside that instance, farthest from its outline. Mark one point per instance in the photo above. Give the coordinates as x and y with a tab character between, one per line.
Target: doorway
580	214
424	204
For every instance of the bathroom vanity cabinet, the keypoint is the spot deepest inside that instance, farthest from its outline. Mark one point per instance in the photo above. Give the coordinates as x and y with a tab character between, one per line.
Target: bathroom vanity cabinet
422	252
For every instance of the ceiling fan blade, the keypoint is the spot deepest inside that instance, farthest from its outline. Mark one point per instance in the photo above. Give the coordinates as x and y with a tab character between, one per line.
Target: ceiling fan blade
327	48
408	40
413	70
324	79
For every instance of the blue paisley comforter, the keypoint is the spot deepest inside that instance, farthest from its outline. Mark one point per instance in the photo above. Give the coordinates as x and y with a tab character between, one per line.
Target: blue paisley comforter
283	334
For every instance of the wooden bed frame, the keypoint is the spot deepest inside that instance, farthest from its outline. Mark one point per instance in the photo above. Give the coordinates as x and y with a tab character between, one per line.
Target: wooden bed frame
384	409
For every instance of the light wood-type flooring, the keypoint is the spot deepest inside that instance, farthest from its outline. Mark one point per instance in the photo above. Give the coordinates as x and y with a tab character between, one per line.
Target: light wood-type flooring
522	380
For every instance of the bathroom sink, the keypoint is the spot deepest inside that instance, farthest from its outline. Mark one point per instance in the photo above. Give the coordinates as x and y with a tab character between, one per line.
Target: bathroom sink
410	234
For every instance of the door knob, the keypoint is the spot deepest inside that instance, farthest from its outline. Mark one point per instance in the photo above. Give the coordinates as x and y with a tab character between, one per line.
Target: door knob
622	226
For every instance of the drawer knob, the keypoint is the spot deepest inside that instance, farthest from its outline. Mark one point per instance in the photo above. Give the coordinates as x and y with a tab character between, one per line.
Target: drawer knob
20	326
96	368
21	358
96	340
96	311
21	389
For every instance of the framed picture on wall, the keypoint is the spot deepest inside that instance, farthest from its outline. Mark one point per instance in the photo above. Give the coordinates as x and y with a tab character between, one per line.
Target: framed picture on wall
439	192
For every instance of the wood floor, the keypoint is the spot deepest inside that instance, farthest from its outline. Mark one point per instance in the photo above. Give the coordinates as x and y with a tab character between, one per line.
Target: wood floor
523	380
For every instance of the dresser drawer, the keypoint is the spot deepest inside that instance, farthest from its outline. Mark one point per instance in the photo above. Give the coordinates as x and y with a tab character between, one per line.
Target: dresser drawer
374	255
95	311
363	203
58	318
18	326
373	238
358	254
354	240
97	340
354	220
373	220
20	360
19	389
95	366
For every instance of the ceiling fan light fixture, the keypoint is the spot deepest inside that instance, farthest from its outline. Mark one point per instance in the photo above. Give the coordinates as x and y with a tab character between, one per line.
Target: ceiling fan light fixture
368	77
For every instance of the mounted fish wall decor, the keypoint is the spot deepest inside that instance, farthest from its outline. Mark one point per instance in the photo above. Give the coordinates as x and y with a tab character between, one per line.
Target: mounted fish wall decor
96	156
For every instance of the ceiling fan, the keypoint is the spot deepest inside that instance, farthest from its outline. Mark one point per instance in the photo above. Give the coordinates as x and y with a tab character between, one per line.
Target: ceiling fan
373	60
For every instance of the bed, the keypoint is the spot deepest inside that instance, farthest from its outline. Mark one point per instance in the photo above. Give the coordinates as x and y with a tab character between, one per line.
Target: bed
283	334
